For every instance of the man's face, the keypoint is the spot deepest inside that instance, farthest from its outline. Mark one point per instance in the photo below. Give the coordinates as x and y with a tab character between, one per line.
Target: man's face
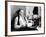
22	13
35	16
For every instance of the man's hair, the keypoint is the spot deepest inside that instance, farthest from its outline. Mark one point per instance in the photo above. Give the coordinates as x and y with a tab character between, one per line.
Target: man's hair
17	12
35	10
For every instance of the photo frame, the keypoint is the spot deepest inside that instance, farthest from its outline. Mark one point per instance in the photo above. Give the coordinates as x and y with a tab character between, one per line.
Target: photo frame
28	8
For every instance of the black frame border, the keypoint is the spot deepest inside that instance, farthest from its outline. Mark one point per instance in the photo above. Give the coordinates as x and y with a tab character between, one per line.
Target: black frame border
6	2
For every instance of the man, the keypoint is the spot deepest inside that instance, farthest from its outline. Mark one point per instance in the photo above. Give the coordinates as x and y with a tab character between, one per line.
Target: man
19	20
13	20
